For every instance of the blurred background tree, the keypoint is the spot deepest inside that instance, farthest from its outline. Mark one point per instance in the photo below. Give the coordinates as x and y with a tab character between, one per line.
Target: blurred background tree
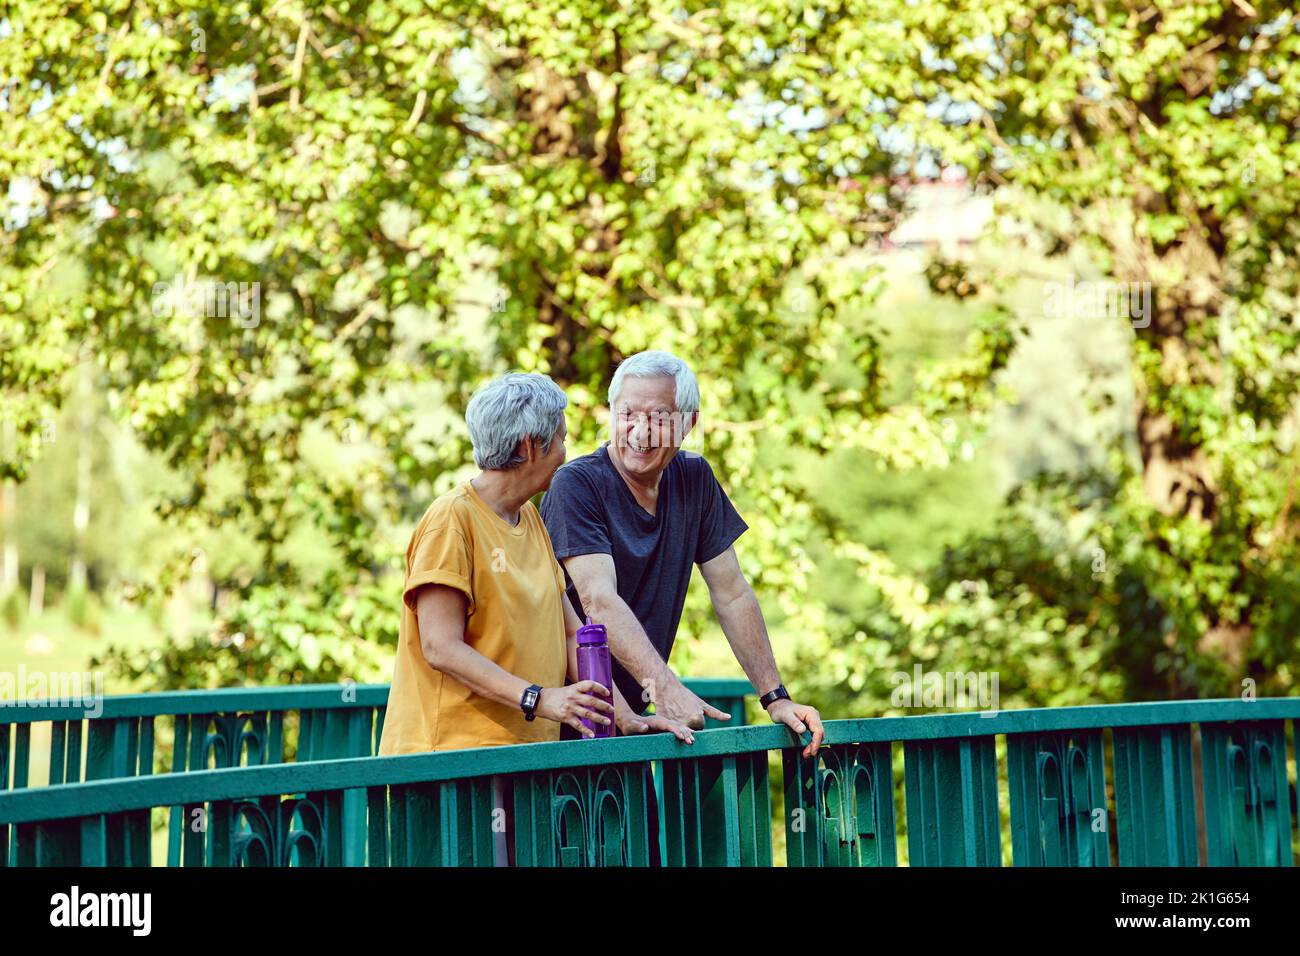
396	203
1161	140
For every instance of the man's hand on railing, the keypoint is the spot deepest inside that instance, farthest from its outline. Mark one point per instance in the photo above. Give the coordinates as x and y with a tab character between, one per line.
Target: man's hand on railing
675	702
630	724
799	718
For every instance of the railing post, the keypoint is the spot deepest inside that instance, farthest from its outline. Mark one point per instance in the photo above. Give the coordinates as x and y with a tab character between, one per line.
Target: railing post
464	823
6	737
717	811
753	814
951	789
803	799
685	803
377	826
1155	811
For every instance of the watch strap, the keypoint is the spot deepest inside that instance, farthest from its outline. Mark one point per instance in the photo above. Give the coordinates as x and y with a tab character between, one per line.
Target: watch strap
772	696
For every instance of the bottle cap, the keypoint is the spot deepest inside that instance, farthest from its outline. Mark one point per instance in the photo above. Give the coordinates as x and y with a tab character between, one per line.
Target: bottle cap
592	634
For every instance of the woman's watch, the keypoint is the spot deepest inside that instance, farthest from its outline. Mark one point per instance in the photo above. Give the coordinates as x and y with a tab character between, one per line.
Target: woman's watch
771	697
528	701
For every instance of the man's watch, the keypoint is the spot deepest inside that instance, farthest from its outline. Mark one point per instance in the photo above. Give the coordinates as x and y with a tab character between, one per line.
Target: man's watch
771	697
528	701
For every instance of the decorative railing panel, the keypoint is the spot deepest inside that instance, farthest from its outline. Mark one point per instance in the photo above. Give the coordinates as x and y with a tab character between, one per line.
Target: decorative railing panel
1247	804
1057	783
589	816
839	807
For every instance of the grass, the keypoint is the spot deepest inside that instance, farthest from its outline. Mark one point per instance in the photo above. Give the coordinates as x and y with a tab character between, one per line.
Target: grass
53	642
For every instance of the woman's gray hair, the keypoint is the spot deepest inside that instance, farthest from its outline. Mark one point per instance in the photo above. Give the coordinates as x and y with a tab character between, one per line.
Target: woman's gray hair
656	364
509	409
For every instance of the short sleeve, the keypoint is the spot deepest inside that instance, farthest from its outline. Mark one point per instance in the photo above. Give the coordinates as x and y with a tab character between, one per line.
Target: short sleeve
575	517
440	556
720	522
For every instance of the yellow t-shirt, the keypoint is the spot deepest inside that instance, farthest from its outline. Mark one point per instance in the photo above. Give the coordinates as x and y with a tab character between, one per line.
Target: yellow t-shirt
513	588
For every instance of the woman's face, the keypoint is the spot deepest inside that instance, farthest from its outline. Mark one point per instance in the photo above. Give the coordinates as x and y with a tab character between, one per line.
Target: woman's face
550	461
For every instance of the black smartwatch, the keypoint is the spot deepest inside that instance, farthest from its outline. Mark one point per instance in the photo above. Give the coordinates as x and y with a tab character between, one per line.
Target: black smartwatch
771	697
528	702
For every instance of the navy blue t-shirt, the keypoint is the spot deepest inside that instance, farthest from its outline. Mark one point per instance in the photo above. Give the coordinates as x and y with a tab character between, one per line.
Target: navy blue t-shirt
589	509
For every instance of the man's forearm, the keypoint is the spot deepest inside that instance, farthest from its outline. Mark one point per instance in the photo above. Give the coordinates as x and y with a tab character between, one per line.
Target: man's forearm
628	642
742	622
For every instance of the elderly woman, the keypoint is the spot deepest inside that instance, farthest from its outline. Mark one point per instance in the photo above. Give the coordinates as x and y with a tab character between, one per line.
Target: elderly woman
487	636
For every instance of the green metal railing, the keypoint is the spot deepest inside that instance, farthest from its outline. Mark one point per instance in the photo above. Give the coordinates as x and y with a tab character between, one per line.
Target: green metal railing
591	802
219	729
225	729
232	727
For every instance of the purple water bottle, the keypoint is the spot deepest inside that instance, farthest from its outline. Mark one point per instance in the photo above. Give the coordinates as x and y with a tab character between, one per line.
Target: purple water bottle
594	664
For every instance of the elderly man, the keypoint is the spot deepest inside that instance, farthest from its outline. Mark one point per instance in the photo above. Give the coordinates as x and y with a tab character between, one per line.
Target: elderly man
629	521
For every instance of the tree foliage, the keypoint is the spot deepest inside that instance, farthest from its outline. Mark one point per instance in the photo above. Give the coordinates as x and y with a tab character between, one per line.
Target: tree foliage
425	195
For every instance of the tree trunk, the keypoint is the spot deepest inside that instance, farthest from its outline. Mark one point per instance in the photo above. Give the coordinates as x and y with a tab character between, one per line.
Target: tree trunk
566	114
1185	327
1175	473
9	526
85	465
36	596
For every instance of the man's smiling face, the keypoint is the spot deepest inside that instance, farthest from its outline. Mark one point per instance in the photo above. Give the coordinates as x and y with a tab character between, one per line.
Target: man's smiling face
647	427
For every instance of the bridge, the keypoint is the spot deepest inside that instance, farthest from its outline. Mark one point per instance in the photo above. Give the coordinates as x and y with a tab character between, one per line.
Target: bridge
287	777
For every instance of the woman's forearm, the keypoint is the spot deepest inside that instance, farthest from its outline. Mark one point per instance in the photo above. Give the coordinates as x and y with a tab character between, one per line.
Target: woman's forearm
482	676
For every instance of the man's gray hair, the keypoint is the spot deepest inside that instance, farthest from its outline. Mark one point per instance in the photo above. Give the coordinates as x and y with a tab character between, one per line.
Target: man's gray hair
509	409
656	364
